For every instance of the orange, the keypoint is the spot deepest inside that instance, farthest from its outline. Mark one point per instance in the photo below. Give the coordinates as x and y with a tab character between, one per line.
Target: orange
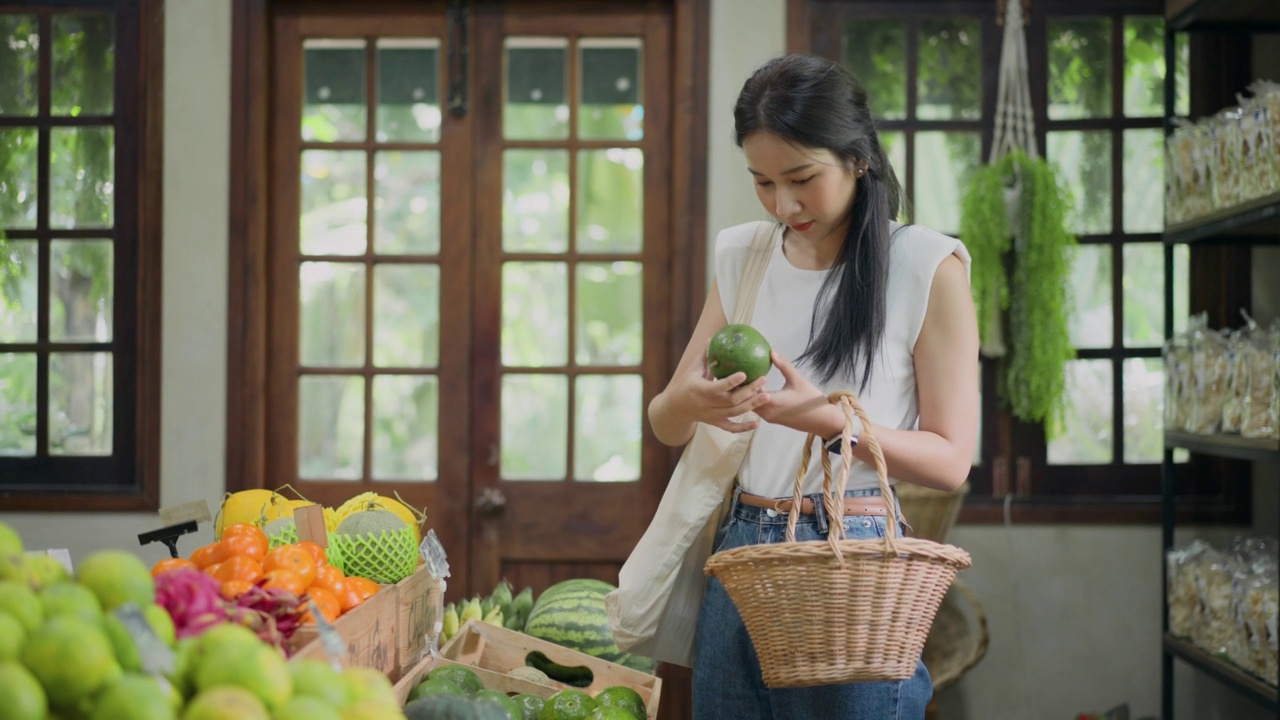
285	580
297	560
357	590
246	545
212	570
232	589
330	578
243	529
325	602
239	567
170	564
203	556
317	552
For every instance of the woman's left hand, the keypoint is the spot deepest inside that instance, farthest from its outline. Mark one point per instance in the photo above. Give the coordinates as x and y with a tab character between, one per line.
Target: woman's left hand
799	405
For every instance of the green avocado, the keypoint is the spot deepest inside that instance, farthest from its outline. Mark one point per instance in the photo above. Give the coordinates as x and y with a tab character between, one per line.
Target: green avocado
739	348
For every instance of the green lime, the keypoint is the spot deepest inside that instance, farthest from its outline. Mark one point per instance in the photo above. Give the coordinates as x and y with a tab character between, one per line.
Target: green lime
317	679
20	694
530	706
23	604
739	348
568	705
72	658
621	696
68	598
10	541
459	675
138	697
116	577
225	703
366	683
307	708
436	686
12	637
504	700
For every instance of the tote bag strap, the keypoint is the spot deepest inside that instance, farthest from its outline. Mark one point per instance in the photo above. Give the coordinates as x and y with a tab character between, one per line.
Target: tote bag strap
753	272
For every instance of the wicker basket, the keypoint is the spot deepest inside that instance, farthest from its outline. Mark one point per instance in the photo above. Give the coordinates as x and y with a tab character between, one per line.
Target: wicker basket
835	611
931	513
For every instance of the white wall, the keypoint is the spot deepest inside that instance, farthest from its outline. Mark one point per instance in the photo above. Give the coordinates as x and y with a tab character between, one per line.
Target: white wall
197	97
1073	611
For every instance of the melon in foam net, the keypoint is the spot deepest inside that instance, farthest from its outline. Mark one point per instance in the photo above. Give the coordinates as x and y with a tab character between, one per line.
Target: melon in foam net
378	545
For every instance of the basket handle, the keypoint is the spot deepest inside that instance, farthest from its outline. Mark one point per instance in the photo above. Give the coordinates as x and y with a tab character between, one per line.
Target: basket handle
833	497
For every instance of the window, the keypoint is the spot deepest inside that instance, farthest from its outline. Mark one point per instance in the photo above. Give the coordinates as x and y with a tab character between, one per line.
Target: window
79	260
1096	78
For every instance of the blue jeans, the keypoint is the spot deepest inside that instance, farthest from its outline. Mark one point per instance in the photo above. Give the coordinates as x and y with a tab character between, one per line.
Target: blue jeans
727	683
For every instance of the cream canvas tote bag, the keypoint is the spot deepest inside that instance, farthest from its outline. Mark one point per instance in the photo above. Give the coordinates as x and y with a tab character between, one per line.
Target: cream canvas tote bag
654	611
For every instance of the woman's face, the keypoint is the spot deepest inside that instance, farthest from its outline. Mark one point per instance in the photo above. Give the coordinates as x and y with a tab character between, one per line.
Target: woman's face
808	189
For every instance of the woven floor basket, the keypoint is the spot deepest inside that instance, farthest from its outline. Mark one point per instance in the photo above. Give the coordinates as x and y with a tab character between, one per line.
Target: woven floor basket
835	611
930	513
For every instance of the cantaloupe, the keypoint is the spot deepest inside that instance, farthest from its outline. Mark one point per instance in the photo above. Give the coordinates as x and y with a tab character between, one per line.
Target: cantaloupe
378	545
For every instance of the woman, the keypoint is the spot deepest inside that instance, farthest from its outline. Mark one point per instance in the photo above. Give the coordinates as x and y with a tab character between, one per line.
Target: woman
862	304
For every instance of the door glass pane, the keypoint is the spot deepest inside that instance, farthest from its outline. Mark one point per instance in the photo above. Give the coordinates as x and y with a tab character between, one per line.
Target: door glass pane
407	202
80	403
608	428
535	314
535	429
406	423
18	185
1079	68
81	290
20	270
1144	181
1143	294
19	44
406	316
537	104
535	200
1086	437
334	203
950	70
1143	67
875	51
1090	323
84	64
82	177
944	163
610	200
408	90
1083	161
1143	410
612	102
17	404
1182	79
610	302
335	104
331	318
330	427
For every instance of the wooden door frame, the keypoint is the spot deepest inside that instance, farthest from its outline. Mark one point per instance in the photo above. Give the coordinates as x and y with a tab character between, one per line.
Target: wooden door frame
248	290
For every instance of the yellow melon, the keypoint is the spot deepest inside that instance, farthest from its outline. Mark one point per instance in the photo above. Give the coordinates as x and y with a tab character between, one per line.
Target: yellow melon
246	506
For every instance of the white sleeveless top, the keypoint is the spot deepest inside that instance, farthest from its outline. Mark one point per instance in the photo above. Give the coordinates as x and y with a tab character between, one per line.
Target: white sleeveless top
784	314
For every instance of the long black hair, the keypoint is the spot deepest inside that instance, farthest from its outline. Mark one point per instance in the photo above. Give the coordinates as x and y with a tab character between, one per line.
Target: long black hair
816	103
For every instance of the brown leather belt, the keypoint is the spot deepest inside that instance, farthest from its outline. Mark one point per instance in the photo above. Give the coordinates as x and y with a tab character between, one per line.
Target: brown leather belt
861	505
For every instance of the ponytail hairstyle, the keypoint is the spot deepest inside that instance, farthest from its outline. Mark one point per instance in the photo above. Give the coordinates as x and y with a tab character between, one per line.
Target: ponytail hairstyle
817	104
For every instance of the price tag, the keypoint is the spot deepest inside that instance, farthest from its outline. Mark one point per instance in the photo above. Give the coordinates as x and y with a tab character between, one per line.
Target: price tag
433	555
156	657
330	641
197	511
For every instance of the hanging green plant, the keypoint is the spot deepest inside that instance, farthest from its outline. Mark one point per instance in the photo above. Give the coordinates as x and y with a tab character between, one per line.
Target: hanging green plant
1023	270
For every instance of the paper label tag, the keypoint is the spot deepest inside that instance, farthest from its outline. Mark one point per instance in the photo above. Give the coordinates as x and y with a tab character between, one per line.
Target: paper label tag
156	657
197	511
433	555
330	641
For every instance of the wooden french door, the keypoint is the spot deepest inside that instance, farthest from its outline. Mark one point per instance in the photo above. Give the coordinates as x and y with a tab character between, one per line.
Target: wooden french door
468	260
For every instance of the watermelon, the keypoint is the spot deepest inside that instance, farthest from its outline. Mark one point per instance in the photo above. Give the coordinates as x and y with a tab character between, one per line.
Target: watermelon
572	614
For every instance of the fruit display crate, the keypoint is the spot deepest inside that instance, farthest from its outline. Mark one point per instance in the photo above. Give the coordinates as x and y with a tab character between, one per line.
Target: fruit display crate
492	651
387	632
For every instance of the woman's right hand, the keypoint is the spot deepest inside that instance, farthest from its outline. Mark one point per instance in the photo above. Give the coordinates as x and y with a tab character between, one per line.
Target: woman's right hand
697	396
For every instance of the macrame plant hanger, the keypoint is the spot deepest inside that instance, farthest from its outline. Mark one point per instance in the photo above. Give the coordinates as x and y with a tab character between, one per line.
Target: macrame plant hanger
1014	130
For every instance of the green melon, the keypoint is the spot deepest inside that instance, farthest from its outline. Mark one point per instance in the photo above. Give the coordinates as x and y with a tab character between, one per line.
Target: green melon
378	545
572	614
739	348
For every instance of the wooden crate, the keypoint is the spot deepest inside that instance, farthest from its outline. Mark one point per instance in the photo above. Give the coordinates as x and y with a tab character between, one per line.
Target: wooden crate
368	631
419	614
492	651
